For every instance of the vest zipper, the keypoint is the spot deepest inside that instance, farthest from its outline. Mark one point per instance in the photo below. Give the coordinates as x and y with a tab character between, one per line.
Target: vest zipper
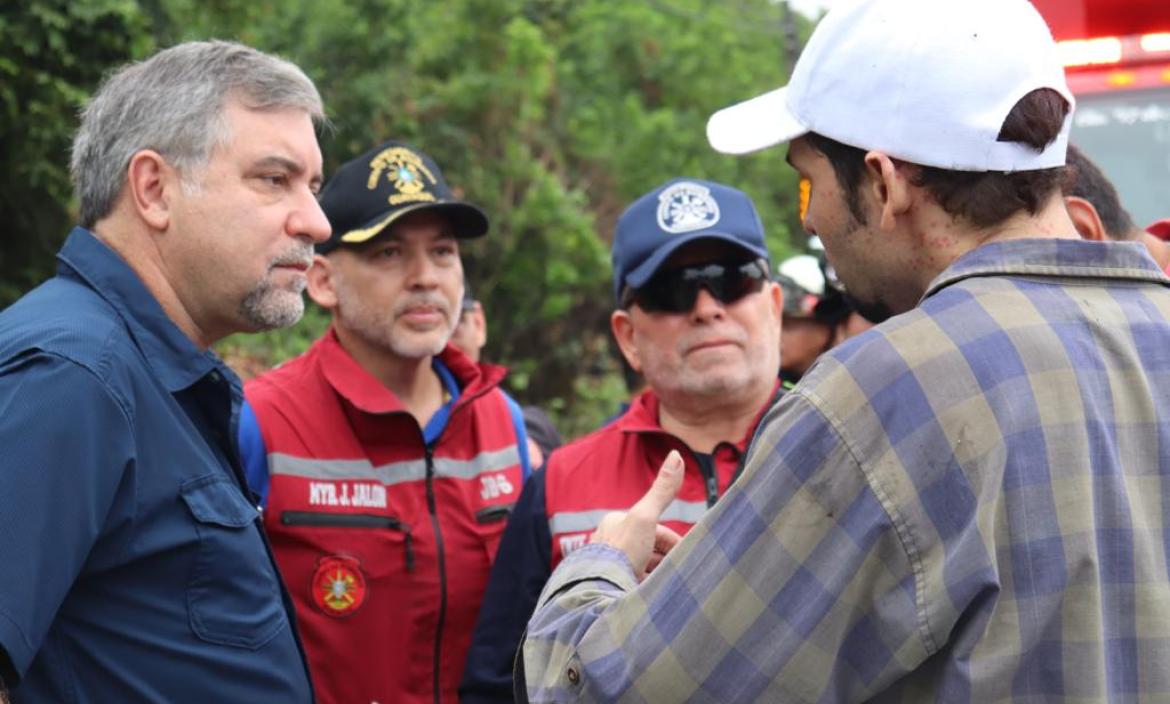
707	469
431	508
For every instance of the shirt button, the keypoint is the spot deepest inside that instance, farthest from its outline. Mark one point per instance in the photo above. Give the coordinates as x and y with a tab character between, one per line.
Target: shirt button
574	676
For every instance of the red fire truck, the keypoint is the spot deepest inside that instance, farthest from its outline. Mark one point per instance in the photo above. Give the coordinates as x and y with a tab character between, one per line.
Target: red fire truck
1117	59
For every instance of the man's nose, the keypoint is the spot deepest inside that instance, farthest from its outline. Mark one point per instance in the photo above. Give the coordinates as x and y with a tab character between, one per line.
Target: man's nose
707	306
308	220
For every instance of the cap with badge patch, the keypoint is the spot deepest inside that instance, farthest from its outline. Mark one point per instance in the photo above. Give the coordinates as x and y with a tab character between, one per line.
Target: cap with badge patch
371	192
676	213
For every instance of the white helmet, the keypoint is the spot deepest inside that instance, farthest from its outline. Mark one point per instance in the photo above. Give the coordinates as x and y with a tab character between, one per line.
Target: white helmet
805	271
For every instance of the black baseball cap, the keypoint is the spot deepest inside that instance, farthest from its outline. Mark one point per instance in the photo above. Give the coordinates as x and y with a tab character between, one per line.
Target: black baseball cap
369	193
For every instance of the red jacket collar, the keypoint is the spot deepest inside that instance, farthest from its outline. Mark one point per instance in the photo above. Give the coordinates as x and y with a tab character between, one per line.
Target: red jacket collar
366	393
642	416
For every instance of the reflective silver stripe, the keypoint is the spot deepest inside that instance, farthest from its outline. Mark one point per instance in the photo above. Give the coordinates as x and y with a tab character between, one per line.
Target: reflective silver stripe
685	511
393	472
575	521
496	461
578	521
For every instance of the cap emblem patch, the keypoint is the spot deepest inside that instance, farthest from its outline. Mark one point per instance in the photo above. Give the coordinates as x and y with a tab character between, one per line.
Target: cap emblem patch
407	173
686	207
339	587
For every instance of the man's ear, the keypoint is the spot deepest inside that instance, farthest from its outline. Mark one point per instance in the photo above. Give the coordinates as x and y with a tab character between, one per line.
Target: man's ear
321	279
776	299
889	186
150	182
1085	218
623	331
776	296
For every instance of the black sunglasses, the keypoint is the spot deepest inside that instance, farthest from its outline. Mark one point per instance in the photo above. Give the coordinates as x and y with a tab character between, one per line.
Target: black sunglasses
675	290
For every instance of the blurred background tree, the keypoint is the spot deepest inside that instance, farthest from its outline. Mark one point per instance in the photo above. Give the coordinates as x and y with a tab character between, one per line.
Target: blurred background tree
52	55
551	114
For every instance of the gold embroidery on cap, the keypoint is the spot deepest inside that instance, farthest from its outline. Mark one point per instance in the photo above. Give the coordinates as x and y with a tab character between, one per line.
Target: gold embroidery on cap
406	172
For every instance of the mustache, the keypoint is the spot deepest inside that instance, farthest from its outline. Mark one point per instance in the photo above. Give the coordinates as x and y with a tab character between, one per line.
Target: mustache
691	339
297	254
418	300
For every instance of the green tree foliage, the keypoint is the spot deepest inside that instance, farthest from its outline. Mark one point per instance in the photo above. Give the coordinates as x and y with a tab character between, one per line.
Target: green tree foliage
52	53
552	115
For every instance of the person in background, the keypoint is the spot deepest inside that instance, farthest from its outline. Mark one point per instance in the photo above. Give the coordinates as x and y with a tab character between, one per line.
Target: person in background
698	316
386	460
134	562
470	336
965	502
1093	204
817	315
1097	212
1156	238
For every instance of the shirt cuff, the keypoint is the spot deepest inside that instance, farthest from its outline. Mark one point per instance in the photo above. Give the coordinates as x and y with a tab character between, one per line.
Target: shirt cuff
593	562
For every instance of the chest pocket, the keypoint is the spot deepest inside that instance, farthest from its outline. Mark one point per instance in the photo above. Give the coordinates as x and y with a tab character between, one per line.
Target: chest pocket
233	597
490	523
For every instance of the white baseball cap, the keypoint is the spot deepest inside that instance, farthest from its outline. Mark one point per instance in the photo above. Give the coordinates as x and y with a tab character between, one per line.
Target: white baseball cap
926	81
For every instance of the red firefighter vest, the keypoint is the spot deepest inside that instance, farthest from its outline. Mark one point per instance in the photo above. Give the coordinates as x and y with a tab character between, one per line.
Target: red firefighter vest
611	468
385	543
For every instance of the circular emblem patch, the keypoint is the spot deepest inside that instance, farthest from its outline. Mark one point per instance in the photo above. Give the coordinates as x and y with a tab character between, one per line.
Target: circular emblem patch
339	588
686	207
405	170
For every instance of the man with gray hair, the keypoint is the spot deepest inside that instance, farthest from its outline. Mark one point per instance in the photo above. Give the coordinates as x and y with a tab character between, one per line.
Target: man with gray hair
137	570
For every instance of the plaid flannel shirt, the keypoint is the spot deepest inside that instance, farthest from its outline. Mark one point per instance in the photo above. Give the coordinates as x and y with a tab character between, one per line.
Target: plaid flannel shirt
965	504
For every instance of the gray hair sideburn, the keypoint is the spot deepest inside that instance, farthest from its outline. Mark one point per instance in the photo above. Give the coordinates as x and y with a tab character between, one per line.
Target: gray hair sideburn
173	103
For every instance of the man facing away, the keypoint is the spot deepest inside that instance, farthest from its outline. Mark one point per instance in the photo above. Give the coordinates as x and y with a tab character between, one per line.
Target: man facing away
1097	212
966	502
388	461
135	566
698	316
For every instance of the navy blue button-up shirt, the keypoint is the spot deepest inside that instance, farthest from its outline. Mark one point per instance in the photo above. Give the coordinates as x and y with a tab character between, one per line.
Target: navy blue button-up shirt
134	566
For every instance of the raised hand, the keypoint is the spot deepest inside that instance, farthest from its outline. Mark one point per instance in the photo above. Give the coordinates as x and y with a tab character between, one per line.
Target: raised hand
637	532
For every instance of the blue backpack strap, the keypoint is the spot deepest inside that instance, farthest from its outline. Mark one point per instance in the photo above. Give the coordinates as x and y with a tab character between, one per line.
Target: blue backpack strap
521	435
253	454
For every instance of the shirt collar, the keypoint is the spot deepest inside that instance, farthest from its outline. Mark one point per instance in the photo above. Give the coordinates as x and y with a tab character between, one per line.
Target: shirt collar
1053	257
175	360
353	382
461	378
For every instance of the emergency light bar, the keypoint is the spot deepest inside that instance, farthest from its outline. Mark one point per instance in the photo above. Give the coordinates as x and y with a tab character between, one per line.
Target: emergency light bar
1089	52
1156	43
1103	51
1104	64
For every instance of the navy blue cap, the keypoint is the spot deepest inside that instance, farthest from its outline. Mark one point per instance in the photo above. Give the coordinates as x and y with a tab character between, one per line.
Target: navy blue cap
676	213
369	193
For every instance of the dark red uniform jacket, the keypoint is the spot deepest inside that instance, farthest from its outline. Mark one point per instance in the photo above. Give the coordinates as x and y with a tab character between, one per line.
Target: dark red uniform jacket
384	540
